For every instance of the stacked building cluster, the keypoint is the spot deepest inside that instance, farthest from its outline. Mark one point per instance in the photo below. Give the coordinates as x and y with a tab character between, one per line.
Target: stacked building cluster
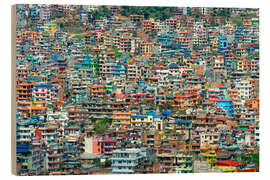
111	89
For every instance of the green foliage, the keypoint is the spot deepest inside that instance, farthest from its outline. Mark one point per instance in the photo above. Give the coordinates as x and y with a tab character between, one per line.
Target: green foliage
118	55
103	11
238	21
72	123
108	162
161	13
87	51
97	161
256	54
101	126
104	121
249	158
255	158
221	12
80	36
95	70
92	119
253	14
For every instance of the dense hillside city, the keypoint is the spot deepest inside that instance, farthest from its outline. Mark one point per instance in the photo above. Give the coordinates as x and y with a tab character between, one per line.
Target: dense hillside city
128	90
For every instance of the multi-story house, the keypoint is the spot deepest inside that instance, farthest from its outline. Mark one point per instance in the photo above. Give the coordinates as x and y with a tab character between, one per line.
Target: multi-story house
125	161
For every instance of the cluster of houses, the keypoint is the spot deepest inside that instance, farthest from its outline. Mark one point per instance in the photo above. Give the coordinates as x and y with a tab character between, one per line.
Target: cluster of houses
130	94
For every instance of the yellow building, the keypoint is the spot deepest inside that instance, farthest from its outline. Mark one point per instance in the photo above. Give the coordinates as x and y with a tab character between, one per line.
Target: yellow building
210	157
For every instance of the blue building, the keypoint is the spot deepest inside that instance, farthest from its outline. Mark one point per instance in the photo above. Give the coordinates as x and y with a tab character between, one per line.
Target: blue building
222	43
60	61
84	16
230	64
226	105
119	70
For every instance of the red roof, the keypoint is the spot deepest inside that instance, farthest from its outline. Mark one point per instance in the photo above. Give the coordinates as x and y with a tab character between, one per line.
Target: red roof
147	94
223	119
237	130
60	102
213	95
154	78
121	95
220	85
149	99
229	163
247	170
131	135
73	111
184	74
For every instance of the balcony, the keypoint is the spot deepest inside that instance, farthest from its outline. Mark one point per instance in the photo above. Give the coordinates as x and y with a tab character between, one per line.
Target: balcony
123	165
122	171
126	158
110	146
53	162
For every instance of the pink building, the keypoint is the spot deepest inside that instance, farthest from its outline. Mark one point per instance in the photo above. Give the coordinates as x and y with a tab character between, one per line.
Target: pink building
100	145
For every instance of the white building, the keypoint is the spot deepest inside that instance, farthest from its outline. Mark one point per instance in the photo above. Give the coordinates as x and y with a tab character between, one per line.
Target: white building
245	89
209	138
125	161
44	12
44	92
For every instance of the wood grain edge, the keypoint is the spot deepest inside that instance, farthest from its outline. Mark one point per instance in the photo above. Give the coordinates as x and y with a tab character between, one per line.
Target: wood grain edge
13	90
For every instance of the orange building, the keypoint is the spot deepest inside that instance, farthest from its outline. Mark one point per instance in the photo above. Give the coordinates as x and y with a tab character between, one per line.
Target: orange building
97	90
146	48
24	91
233	93
122	117
147	25
27	112
190	98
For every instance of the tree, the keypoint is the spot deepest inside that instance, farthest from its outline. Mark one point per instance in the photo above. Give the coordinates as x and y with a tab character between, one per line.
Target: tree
160	13
103	11
97	161
108	163
92	119
101	126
